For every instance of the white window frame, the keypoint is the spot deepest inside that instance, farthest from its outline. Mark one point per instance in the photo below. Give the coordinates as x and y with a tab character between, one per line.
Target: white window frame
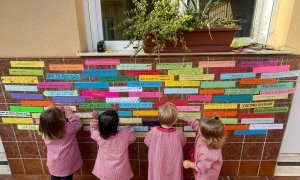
94	29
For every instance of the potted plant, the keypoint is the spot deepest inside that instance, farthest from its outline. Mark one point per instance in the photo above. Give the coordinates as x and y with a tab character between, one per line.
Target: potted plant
162	26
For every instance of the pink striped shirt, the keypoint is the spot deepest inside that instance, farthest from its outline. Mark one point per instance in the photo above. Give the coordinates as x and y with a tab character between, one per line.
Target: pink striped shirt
63	155
165	153
208	162
112	162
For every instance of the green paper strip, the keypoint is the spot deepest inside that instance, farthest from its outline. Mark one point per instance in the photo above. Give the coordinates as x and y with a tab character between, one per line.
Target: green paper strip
195	115
31	72
25	109
86	121
217	84
94	105
241	91
185	71
229	120
116	78
174	65
271	109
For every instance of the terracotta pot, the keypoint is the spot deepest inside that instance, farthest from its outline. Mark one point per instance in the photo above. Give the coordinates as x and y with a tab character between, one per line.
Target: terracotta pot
199	40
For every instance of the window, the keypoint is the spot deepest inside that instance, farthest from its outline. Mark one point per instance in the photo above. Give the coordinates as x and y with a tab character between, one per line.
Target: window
101	15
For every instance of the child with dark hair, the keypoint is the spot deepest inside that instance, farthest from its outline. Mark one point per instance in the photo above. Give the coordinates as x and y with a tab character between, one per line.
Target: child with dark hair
112	160
59	128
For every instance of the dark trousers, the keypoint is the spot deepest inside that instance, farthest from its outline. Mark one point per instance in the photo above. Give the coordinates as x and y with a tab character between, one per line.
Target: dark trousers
70	177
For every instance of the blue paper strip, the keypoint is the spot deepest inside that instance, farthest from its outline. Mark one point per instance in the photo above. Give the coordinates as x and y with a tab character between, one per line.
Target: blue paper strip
250	132
151	123
136	128
145	105
280	74
53	76
181	91
232	98
26	96
91	85
68	99
237	75
99	72
20	88
122	113
144	84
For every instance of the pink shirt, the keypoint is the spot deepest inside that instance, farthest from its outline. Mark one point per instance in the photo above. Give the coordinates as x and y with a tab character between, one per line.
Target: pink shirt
208	162
63	155
112	162
165	153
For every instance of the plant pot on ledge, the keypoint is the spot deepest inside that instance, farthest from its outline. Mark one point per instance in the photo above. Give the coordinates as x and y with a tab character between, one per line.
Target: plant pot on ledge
201	40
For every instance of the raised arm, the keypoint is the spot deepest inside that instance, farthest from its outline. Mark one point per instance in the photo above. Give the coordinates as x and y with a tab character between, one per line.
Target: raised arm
95	134
191	122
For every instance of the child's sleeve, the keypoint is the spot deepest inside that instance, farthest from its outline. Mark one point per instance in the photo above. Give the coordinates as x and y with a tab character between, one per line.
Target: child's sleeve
94	130
148	138
74	123
182	138
194	123
131	135
203	163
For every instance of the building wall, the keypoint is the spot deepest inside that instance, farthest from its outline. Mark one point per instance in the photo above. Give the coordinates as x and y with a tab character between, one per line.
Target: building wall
41	28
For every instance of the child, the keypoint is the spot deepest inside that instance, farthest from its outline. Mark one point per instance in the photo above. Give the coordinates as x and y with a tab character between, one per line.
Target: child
207	158
165	146
112	160
59	128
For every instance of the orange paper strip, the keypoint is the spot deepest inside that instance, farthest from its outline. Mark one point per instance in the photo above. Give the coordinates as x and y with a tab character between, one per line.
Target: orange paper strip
66	67
220	113
36	103
257	81
211	91
236	127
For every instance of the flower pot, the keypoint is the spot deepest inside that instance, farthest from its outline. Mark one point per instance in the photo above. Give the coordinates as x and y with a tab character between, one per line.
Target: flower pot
200	40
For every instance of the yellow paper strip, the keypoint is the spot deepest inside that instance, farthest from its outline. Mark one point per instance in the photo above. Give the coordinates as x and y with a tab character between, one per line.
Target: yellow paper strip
17	120
145	113
182	83
221	106
130	120
196	77
35	115
27	63
19	80
257	105
28	127
269	97
156	77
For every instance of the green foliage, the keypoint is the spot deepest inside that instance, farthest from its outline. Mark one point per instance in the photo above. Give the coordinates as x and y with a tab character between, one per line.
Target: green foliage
164	22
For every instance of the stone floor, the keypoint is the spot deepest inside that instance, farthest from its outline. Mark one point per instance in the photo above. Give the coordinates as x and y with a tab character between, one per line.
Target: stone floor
42	177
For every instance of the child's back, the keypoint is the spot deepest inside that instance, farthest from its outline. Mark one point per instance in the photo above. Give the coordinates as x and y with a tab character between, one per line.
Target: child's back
165	153
165	144
112	160
63	154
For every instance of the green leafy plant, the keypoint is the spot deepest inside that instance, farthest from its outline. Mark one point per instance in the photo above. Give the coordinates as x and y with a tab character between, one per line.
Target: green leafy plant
163	21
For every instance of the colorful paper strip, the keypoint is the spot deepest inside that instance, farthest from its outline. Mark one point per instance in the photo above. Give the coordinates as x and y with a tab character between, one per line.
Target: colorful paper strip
219	70
26	96
241	91
68	99
102	62
14	114
25	109
145	113
134	67
27	64
36	103
197	77
271	69
117	79
141	72
237	75
186	71
221	106
211	91
280	74
123	100
156	77
144	84
52	76
54	85
256	105
30	72
220	113
86	85
182	83
194	115
17	120
188	108
257	120
66	67
131	120
275	86
19	80
261	63
216	64
99	94
94	105
249	132
269	97
125	89
99	72
28	127
180	90
177	103
266	126
145	94
218	84
20	88
278	91
61	93
271	109
174	65
200	98
238	98
257	81
145	105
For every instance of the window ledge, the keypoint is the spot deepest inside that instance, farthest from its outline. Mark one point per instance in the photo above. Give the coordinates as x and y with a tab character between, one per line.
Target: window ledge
131	53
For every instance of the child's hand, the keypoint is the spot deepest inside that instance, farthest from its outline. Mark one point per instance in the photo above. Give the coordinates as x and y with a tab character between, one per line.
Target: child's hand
188	164
95	114
68	111
183	118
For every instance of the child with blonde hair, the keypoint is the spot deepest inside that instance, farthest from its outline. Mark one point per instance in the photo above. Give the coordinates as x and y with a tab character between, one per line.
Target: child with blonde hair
59	128
165	144
112	162
206	160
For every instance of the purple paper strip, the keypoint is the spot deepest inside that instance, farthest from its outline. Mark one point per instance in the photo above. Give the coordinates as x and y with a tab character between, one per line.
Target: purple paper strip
68	99
54	85
26	96
260	63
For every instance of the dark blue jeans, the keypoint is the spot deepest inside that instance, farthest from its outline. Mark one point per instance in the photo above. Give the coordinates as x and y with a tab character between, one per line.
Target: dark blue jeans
70	177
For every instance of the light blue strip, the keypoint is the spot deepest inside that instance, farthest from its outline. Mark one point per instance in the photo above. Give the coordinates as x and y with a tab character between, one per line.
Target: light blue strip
121	113
52	76
275	86
145	105
181	91
237	75
91	85
20	88
280	74
250	132
136	128
144	84
232	98
99	72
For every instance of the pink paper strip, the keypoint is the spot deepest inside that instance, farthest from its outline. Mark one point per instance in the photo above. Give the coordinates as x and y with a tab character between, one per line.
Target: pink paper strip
278	91
101	62
54	85
271	69
216	64
188	108
145	94
202	98
99	94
